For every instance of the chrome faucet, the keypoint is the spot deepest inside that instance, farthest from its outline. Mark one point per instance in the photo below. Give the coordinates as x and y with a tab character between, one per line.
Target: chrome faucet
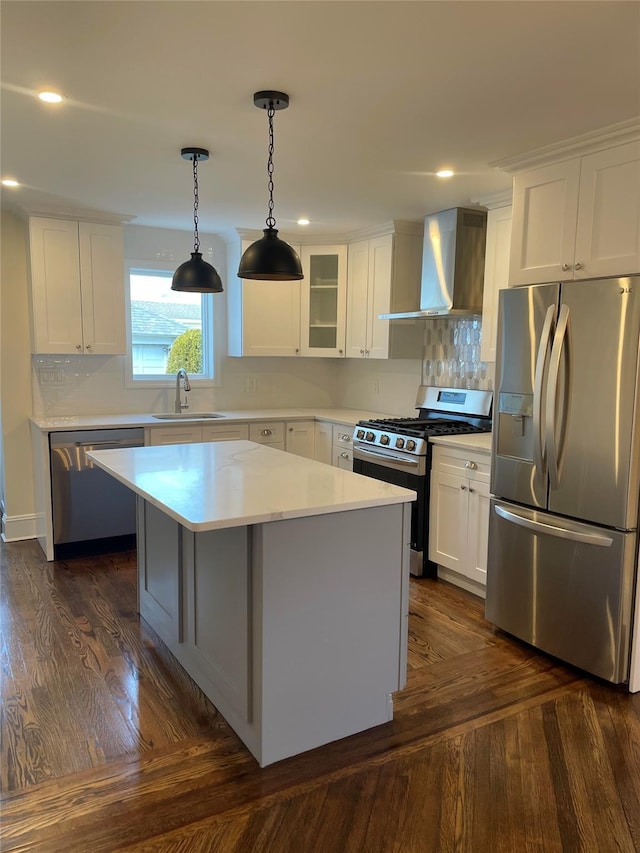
180	406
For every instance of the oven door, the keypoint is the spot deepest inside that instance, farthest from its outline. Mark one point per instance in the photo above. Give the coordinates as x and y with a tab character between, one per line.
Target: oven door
409	473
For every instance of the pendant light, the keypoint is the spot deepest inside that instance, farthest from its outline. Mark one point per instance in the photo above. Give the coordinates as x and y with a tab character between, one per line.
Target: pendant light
196	275
270	258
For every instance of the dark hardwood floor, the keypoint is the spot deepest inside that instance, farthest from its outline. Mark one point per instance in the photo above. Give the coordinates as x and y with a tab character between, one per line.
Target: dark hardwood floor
107	745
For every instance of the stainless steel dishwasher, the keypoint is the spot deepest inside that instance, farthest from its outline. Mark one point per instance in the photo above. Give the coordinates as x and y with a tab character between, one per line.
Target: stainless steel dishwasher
87	502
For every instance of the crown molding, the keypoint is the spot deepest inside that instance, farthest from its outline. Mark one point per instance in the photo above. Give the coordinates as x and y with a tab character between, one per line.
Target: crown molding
395	226
576	146
78	213
503	198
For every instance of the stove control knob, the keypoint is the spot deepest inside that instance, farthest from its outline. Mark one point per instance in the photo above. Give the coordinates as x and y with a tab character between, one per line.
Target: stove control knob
384	439
399	442
411	445
370	436
360	433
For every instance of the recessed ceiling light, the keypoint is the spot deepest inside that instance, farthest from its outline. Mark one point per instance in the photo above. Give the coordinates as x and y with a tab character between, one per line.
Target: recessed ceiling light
303	221
50	97
444	173
9	182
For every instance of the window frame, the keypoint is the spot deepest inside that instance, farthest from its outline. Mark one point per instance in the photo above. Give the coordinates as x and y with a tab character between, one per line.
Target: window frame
210	332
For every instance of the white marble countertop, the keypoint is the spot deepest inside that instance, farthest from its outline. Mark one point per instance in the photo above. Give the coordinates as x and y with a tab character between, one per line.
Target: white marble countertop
480	441
213	485
70	422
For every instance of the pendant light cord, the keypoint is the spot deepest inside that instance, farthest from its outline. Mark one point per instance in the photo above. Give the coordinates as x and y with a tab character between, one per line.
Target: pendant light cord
196	239
270	221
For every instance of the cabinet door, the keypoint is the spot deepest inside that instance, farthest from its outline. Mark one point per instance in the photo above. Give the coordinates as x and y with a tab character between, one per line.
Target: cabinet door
175	435
271	318
357	299
496	276
608	232
323	443
478	532
102	288
300	438
55	283
380	272
448	520
545	212
323	301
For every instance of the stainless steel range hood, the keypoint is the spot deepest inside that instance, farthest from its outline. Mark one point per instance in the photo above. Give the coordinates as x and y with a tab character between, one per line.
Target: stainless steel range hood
452	264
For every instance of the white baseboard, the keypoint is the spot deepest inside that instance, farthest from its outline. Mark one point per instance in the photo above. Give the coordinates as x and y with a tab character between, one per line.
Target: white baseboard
463	582
18	527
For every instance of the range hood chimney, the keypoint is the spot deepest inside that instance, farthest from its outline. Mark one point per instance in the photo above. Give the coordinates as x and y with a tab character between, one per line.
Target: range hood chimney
452	264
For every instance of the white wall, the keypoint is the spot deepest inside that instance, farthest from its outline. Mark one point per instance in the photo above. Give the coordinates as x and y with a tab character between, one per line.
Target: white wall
15	381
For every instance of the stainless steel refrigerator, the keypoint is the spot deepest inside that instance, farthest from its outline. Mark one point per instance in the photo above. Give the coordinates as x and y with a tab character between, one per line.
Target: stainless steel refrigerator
565	471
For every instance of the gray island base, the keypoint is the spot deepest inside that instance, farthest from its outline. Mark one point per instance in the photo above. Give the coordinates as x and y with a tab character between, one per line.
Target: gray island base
294	625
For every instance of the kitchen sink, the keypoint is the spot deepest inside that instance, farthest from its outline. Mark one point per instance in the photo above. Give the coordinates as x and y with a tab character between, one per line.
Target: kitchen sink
191	416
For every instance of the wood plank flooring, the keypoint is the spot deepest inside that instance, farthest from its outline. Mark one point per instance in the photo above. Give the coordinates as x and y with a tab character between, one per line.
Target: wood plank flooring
107	745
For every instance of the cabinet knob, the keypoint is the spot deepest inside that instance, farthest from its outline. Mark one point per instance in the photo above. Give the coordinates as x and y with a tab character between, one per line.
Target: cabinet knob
578	266
297	350
290	429
464	488
366	352
470	464
361	352
265	432
566	267
88	346
78	346
340	351
471	491
345	437
344	455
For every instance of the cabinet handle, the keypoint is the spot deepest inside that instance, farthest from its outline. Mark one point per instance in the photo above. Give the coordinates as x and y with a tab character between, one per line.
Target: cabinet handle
265	432
578	266
464	488
566	267
78	346
344	455
470	464
345	437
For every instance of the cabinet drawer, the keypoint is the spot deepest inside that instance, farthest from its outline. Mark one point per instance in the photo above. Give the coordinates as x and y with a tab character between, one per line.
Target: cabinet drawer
225	432
470	464
267	433
342	436
175	435
343	457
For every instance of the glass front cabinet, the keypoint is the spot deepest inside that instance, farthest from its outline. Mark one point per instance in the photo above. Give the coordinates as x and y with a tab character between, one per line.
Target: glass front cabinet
323	301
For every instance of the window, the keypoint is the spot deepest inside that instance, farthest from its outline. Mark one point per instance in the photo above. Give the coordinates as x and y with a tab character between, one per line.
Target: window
167	329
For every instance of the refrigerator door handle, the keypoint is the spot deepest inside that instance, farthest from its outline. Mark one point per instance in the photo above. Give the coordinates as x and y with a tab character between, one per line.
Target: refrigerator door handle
599	539
539	451
551	441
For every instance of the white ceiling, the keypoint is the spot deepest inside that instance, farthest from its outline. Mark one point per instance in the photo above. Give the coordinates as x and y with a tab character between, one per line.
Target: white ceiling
382	95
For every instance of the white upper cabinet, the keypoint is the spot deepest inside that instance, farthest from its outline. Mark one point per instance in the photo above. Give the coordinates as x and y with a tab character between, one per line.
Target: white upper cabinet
77	280
496	275
323	298
577	218
264	316
384	277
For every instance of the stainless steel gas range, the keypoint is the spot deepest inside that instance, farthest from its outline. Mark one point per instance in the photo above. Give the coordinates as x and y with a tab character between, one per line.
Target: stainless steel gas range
398	451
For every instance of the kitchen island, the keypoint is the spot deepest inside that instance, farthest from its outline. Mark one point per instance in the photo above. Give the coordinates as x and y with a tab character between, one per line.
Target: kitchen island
279	583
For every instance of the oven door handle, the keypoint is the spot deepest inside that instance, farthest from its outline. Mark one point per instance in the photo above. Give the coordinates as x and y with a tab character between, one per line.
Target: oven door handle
373	455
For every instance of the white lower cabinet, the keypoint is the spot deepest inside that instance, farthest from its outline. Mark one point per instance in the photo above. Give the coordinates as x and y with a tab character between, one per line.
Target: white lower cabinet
323	442
198	432
342	456
459	516
300	438
270	433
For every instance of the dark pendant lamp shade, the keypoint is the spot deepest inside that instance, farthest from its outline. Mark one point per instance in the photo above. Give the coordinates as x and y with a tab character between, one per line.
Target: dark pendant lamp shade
270	258
196	275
